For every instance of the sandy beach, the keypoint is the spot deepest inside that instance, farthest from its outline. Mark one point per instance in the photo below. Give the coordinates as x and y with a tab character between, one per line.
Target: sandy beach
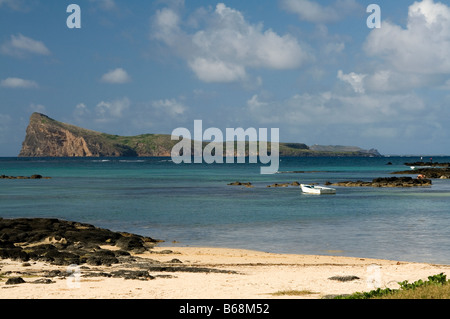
236	274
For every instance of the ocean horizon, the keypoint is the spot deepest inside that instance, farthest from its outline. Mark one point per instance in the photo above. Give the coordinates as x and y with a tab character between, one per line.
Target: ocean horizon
193	205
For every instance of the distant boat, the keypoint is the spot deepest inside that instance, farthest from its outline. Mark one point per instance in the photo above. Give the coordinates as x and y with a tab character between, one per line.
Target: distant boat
318	190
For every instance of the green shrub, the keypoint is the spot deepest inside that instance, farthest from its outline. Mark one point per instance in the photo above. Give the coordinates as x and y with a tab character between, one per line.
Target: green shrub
436	280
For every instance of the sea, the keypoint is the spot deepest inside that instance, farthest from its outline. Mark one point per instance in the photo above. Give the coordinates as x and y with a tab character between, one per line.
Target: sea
193	205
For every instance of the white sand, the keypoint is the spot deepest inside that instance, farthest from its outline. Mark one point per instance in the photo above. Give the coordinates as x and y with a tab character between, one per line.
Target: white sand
259	275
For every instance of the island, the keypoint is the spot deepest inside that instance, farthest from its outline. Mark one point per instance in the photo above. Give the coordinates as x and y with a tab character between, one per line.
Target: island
46	137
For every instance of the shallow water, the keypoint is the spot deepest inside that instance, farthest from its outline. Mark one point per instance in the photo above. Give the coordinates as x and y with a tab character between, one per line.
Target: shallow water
193	205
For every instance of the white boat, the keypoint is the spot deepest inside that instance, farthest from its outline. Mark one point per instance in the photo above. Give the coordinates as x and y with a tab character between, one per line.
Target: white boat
313	189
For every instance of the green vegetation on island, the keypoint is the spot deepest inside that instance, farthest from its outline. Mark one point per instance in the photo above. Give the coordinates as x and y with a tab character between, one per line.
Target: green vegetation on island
47	137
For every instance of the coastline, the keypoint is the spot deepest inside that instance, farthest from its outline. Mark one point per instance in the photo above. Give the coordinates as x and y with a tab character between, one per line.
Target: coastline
213	273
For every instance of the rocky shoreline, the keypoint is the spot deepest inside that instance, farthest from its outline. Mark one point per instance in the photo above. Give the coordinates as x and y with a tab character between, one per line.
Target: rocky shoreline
66	243
36	176
386	182
424	177
250	185
432	164
378	182
434	172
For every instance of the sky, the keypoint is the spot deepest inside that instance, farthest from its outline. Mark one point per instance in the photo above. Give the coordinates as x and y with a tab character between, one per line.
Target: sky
313	69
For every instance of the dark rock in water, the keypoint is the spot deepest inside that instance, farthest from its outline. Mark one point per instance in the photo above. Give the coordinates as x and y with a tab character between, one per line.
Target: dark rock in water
24	177
388	182
284	184
15	281
433	164
279	185
433	172
241	184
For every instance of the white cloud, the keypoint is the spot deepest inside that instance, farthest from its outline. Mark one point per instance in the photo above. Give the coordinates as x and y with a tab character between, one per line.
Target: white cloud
110	110
381	132
166	26
409	58
17	83
388	80
312	11
217	70
81	110
16	5
430	11
117	76
355	80
106	5
227	46
423	47
21	45
38	108
170	106
366	120
81	114
314	111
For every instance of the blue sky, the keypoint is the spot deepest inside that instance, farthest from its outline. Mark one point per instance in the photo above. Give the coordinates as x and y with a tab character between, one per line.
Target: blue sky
313	69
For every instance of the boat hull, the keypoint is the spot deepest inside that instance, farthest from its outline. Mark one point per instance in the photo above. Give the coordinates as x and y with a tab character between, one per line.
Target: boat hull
317	190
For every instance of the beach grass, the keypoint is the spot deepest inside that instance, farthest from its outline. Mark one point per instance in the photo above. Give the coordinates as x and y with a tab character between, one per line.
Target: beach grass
427	292
436	287
293	293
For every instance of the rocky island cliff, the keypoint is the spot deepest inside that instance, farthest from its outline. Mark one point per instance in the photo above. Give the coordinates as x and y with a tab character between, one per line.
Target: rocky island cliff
46	137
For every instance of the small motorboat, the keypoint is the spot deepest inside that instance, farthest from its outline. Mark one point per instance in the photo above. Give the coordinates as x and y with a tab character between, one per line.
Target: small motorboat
318	190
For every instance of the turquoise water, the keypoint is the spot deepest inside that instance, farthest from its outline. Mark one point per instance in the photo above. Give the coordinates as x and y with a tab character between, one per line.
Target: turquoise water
193	205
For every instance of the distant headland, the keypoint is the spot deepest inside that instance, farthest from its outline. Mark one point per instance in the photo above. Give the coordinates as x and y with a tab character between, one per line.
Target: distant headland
46	137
